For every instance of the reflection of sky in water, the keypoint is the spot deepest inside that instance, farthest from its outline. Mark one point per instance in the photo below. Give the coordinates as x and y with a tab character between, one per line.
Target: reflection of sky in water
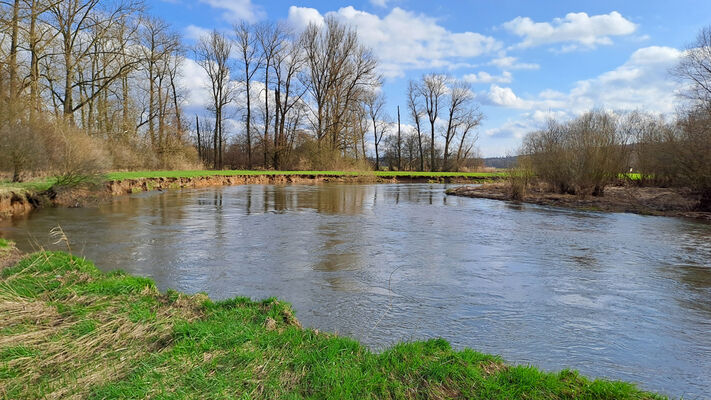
615	295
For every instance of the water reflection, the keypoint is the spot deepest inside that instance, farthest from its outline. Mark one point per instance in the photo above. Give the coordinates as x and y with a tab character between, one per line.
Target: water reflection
614	295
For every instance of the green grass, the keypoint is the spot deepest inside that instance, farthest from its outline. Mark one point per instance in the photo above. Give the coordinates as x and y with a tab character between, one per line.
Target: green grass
68	330
202	173
37	185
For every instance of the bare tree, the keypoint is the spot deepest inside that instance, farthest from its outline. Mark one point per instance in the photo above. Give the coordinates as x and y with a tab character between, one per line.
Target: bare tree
248	51
399	141
375	104
341	72
271	39
81	25
213	53
695	68
288	94
462	117
433	89
415	107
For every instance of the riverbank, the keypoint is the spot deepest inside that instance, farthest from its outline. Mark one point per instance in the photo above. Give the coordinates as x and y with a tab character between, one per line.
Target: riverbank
68	330
670	202
19	199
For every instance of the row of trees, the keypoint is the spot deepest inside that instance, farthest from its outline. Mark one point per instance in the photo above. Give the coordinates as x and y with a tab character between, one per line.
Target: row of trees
314	97
106	70
111	72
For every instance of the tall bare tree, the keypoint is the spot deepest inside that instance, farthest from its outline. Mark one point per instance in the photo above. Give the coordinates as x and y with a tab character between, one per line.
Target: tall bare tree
415	107
458	111
213	53
341	73
375	104
433	88
695	68
81	25
247	45
288	93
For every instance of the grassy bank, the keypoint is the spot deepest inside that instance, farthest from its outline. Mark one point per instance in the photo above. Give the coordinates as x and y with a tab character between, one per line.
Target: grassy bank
33	186
205	173
68	330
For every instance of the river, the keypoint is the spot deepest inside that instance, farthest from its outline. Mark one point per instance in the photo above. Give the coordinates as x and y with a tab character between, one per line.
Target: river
619	296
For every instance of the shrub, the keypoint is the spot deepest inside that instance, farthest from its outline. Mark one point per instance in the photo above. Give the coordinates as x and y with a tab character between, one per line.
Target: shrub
519	178
581	156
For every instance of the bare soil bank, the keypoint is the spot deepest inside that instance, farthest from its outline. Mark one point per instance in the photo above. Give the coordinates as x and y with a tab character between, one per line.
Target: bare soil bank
14	204
638	200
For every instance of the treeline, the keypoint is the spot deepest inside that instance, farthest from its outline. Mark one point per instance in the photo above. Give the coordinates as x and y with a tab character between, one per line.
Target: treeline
314	101
90	85
584	155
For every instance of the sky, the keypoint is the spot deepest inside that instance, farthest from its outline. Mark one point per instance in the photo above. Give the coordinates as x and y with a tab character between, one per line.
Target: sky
526	61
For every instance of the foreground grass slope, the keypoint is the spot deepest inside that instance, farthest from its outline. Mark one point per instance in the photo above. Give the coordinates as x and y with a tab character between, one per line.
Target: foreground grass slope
69	331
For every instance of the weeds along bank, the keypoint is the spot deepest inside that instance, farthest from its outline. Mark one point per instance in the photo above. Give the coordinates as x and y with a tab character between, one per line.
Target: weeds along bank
68	330
17	199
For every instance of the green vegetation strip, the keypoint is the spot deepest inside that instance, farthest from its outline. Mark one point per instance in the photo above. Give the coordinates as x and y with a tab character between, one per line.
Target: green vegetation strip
69	330
204	173
38	185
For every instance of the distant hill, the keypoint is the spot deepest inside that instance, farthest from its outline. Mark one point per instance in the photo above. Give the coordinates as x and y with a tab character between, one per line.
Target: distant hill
500	162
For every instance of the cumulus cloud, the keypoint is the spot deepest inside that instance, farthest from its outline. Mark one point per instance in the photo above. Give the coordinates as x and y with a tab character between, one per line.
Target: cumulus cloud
300	17
505	97
511	63
195	32
404	40
642	82
196	83
237	10
575	29
485	77
379	3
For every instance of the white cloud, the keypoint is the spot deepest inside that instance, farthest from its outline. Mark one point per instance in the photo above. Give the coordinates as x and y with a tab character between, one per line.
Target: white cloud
196	83
507	62
642	82
237	10
379	3
505	97
196	32
301	17
485	77
576	29
404	40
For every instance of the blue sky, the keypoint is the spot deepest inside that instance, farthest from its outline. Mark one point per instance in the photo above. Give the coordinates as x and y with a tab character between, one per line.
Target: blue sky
526	60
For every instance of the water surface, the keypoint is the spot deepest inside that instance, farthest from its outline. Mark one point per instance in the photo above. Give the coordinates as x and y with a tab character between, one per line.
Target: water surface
614	295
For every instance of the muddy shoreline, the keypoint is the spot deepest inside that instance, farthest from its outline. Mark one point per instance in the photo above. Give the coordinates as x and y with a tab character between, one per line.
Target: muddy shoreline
15	204
669	202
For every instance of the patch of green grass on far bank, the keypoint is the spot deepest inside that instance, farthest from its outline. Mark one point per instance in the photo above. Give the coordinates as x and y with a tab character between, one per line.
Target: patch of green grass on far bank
69	330
36	185
202	173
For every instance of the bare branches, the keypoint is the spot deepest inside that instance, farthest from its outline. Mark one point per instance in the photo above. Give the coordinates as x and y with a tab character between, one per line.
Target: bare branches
695	68
213	53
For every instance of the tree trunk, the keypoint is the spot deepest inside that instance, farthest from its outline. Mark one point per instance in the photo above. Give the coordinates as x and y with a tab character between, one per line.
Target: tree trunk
398	139
432	148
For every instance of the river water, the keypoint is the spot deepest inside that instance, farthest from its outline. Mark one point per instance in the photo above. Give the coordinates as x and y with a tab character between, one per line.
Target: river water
619	296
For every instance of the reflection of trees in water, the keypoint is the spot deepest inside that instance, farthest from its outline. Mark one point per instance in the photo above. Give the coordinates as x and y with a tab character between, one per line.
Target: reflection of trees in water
331	198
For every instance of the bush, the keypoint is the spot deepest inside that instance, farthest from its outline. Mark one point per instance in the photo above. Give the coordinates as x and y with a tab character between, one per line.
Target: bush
581	156
76	158
692	153
519	178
